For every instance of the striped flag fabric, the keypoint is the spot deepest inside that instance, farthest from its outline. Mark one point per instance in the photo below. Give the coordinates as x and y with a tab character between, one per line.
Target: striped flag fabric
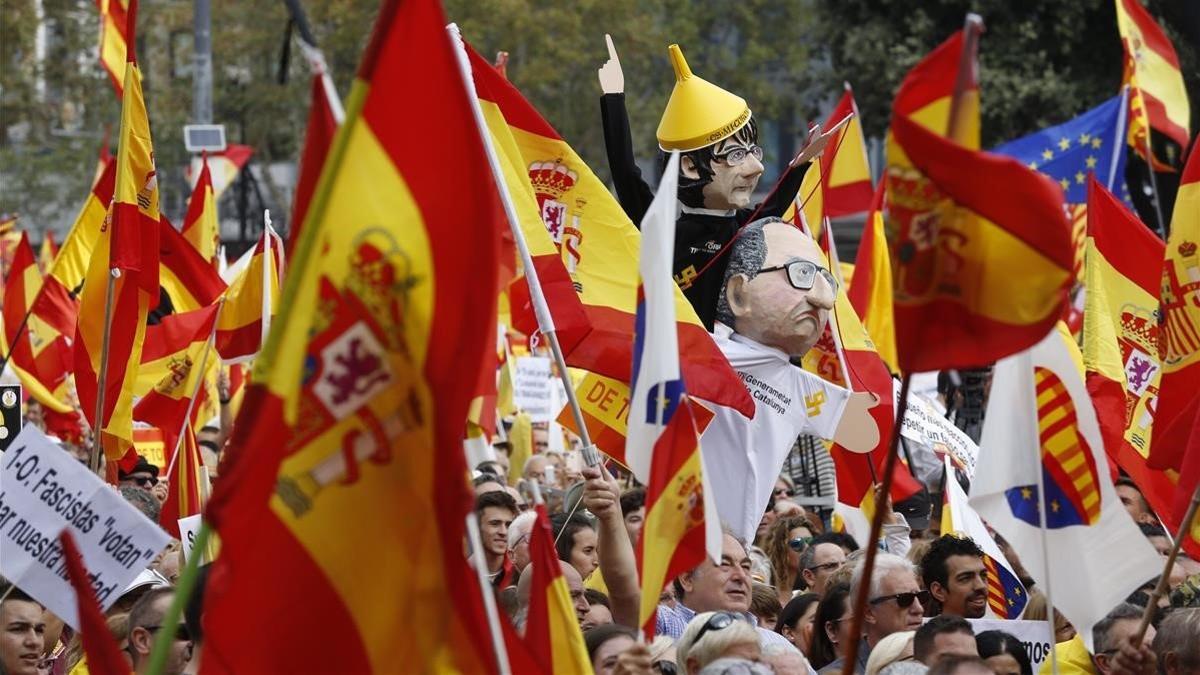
1040	420
1179	397
1121	337
200	225
551	630
251	300
39	356
841	185
318	137
870	291
1152	72
124	264
47	252
358	393
114	38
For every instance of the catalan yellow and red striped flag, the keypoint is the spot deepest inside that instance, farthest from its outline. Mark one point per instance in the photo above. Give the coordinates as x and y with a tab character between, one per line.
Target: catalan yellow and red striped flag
584	230
47	252
1121	337
39	356
978	272
179	350
870	290
1159	101
200	223
1179	397
359	394
551	628
124	266
114	38
251	300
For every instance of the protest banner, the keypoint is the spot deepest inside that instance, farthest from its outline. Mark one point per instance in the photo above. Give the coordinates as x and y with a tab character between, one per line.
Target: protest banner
148	442
10	414
1035	636
44	490
532	390
923	424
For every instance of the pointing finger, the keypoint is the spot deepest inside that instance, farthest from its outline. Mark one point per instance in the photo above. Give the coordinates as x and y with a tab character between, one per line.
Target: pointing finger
612	50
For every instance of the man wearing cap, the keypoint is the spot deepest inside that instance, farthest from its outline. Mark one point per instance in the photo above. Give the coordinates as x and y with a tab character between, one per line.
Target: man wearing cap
719	169
143	475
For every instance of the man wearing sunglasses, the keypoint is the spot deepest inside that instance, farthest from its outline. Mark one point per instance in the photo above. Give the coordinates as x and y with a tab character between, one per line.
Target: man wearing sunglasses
895	602
143	475
777	300
146	625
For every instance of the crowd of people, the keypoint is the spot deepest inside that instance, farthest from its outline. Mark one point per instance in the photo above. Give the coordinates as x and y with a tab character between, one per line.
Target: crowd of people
783	603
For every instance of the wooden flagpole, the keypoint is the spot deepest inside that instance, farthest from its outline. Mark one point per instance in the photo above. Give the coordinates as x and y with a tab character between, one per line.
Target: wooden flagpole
96	458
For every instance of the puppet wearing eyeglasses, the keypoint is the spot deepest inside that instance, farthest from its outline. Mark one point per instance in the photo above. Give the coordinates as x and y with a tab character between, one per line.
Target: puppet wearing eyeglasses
775	305
719	169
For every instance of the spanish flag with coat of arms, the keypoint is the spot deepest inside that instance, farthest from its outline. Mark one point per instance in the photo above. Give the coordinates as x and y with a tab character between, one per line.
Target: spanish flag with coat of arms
122	282
355	416
978	272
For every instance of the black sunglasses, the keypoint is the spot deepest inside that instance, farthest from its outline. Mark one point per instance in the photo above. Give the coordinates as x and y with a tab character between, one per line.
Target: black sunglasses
664	668
800	543
145	481
904	599
718	621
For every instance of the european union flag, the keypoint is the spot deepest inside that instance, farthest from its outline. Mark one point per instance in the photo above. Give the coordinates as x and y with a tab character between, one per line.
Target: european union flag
1094	142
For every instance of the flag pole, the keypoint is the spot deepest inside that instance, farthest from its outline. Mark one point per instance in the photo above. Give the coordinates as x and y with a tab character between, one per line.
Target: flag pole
96	458
1185	528
968	66
850	657
1036	448
489	600
540	308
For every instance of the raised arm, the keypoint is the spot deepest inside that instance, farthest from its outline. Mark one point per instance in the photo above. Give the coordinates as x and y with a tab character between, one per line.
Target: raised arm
601	496
633	193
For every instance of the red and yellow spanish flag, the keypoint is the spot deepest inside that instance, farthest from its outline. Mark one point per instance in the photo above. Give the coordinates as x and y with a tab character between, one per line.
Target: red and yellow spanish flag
47	252
1121	337
362	390
1179	396
318	136
551	628
114	36
584	230
1159	100
1189	477
124	265
39	355
200	226
978	272
251	300
870	291
186	280
179	352
58	302
842	172
224	166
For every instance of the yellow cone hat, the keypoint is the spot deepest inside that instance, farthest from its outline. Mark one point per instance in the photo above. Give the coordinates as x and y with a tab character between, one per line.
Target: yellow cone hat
699	113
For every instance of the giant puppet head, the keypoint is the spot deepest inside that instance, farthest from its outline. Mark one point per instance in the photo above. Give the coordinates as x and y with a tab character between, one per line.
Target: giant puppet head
777	289
717	138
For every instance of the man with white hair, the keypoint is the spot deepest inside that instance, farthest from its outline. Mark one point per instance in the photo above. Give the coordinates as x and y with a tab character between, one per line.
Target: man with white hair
785	659
518	538
895	602
574	586
1176	646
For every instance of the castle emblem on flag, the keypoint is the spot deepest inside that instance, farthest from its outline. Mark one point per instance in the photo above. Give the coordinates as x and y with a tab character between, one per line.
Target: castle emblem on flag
1068	467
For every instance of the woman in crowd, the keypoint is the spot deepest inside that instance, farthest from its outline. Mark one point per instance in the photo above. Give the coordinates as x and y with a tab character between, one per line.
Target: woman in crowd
785	541
831	625
577	543
713	635
796	620
1003	653
891	649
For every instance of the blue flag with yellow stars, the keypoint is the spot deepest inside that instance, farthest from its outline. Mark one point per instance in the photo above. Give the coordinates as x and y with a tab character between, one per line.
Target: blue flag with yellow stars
1093	142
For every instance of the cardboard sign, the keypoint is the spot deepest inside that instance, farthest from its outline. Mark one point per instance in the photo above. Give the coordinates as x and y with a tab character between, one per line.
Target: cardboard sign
43	491
532	389
1035	636
11	418
923	424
